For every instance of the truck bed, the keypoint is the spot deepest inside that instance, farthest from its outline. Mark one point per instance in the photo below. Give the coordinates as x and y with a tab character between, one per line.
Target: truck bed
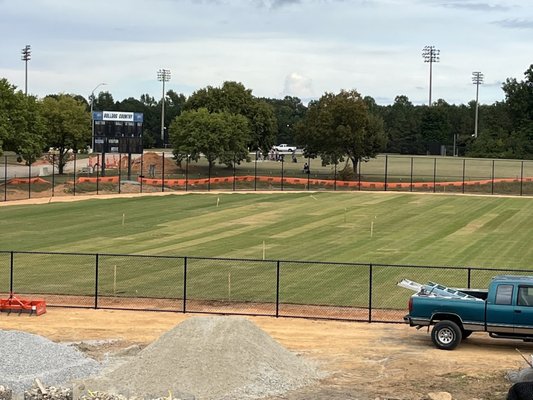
472	312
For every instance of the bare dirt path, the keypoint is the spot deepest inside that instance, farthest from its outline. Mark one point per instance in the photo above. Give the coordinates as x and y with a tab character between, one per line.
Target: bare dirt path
366	361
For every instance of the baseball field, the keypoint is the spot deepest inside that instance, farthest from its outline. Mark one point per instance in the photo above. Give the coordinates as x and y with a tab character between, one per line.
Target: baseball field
358	227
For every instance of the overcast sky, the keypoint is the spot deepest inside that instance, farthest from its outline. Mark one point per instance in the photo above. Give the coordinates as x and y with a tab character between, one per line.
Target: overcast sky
274	47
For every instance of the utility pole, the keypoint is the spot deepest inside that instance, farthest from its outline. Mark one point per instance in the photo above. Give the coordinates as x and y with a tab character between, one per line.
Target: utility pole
26	56
477	79
163	75
430	55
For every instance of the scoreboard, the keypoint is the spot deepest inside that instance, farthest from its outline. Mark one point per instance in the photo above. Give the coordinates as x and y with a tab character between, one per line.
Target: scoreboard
117	132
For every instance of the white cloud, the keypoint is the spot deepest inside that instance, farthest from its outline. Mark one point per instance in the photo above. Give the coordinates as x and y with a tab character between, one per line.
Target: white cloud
298	85
274	47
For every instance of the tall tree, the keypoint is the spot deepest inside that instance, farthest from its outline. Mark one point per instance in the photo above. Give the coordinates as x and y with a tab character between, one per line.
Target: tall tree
435	128
402	127
234	98
340	125
152	121
21	126
216	135
173	106
519	98
288	111
104	101
68	126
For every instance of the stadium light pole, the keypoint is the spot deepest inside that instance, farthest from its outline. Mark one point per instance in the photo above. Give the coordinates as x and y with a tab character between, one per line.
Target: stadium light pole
430	55
92	106
26	56
163	75
477	79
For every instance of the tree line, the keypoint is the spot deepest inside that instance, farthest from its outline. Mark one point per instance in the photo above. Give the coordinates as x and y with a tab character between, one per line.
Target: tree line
226	123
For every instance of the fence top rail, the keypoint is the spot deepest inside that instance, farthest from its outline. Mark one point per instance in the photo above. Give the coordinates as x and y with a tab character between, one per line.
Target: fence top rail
333	263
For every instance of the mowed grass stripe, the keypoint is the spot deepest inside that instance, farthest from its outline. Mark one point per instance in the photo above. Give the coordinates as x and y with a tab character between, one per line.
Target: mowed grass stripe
397	228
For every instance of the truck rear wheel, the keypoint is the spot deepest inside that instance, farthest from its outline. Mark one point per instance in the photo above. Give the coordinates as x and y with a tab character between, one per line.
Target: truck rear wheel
446	335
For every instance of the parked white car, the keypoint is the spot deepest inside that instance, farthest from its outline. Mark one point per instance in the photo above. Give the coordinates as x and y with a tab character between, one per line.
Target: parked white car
284	148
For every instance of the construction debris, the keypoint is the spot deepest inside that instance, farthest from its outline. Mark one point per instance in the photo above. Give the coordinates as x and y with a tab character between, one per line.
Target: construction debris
5	393
39	392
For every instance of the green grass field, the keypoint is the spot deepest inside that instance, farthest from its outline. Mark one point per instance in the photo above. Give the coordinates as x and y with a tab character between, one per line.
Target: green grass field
397	228
359	227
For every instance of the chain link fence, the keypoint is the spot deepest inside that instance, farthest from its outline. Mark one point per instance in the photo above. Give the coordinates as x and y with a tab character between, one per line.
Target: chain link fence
278	288
86	174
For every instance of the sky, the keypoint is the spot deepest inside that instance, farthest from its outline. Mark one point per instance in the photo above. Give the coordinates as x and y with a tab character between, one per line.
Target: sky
276	48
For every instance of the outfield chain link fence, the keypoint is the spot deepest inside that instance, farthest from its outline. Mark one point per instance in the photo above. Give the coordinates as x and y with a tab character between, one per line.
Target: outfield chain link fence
277	288
84	174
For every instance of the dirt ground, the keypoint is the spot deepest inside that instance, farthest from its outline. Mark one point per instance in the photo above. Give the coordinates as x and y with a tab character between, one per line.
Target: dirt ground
365	361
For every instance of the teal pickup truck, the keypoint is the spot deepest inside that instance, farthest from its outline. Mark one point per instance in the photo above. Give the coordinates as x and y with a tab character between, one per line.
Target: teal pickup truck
505	310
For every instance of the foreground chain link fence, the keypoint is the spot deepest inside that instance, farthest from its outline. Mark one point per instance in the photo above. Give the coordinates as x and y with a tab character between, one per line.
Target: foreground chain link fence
277	288
85	174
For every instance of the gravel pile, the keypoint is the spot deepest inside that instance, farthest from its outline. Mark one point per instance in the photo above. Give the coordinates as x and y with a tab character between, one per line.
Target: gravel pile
207	358
24	357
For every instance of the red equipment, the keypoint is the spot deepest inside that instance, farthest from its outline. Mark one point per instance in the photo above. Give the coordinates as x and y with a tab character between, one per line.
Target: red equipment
13	303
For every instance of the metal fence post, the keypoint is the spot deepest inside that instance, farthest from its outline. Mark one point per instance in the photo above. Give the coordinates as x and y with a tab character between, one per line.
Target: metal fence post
308	171
5	178
29	180
11	272
277	288
187	174
469	278
359	175
411	181
521	176
119	170
434	174
162	171
142	172
209	177
281	156
492	179
97	173
234	172
184	285
335	178
96	281
255	171
75	174
464	170
370	293
53	173
386	171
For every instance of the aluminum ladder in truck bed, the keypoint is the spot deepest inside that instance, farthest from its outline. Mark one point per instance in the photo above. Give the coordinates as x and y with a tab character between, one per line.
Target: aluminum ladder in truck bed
435	289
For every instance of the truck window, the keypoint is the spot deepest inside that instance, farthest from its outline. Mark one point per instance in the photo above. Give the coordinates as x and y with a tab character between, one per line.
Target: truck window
504	294
525	296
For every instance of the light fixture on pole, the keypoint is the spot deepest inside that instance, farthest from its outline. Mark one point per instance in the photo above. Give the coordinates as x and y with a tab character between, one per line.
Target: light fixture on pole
26	56
163	75
477	79
431	55
92	106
